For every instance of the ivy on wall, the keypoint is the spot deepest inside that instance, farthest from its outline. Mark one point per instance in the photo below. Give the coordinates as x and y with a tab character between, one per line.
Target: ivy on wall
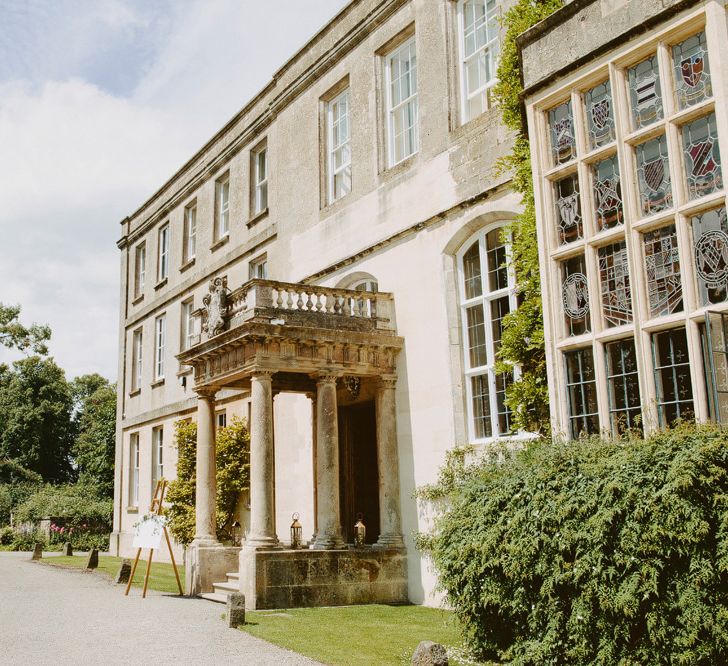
522	343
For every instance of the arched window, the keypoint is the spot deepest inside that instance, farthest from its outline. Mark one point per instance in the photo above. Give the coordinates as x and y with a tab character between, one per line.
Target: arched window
487	294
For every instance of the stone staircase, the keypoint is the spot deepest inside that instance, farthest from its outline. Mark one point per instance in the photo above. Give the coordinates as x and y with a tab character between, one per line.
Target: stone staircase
221	590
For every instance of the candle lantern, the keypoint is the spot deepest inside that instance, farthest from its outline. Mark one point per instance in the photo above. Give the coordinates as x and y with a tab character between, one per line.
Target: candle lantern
237	533
360	531
296	532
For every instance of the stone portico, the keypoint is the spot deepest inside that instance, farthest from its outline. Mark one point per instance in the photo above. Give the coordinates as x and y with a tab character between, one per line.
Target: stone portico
334	346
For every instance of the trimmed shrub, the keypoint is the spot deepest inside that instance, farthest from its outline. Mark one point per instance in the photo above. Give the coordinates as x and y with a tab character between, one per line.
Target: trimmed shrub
233	475
7	534
589	552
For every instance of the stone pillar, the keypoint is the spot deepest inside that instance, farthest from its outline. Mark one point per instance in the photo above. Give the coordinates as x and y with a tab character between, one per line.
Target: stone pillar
312	398
206	486
262	489
328	512
390	518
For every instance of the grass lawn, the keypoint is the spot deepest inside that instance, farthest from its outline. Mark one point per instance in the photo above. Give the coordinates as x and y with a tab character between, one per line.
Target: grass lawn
161	577
355	635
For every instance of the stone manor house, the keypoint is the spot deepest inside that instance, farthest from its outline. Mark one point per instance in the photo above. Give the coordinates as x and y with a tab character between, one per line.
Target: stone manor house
331	267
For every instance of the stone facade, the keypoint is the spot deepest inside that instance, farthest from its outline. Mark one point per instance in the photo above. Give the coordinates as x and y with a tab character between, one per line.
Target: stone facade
388	255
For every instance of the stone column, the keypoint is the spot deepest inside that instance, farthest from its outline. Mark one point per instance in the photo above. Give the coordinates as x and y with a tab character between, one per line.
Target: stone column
328	511
206	486
312	397
390	519
262	489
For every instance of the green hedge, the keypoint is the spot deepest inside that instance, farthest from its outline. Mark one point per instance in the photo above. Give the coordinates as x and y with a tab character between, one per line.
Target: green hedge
590	552
77	505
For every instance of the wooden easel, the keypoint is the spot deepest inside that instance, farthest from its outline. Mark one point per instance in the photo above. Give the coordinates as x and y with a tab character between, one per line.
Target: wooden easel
156	507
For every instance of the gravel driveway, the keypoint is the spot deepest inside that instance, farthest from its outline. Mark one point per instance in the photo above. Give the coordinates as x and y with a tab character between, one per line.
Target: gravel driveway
57	616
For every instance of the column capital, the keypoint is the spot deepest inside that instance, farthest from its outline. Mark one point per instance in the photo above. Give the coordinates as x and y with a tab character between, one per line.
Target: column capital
262	374
208	392
326	378
387	382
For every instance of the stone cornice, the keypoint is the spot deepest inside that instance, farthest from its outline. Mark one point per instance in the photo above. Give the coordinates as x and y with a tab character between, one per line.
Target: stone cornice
197	170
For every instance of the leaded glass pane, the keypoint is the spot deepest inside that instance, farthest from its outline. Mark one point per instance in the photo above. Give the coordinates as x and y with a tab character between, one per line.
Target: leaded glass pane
497	269
502	382
645	93
623	386
599	115
499	308
615	284
476	336
692	71
662	263
568	209
481	406
653	171
471	272
710	237
575	295
582	393
561	128
608	211
672	376
702	157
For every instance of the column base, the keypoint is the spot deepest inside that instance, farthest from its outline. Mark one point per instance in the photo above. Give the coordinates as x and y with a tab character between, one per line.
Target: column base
206	542
261	543
389	541
329	542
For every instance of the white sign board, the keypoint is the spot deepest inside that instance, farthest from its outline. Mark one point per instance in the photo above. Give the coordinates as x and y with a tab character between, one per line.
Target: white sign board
149	531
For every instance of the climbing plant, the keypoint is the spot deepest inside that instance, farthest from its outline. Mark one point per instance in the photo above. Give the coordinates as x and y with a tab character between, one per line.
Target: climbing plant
522	343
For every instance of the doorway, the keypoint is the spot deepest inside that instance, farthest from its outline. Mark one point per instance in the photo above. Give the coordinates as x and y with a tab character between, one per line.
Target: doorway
358	471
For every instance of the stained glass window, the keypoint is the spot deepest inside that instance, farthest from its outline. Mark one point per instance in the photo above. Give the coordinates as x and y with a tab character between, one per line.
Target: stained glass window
672	376
710	238
692	71
615	284
599	115
662	263
702	156
653	172
581	388
608	211
575	295
623	386
561	129
645	92
568	209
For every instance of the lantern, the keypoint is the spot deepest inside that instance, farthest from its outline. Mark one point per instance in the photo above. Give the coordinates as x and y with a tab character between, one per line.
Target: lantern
360	530
296	532
237	533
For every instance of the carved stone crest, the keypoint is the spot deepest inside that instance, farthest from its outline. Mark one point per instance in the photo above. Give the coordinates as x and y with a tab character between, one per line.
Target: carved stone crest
216	307
353	385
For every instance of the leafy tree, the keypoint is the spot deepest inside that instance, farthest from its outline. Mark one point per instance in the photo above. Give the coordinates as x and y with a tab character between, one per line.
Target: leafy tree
36	405
15	335
94	423
233	476
523	337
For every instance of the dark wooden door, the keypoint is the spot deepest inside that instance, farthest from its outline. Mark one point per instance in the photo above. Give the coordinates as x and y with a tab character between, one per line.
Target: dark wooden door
359	477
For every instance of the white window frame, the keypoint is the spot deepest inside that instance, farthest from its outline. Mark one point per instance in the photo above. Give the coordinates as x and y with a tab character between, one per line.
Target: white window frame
163	255
188	324
160	339
134	469
157	455
255	266
260	183
485	299
222	210
491	46
140	268
137	351
221	419
413	99
190	232
333	122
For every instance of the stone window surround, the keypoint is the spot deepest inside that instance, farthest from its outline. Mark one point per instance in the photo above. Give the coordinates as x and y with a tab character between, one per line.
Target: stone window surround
712	20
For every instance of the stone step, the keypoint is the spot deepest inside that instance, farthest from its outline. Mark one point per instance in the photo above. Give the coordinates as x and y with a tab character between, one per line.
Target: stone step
214	596
233	575
226	587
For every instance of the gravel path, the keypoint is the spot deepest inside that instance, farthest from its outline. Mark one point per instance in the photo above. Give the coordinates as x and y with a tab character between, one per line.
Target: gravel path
57	616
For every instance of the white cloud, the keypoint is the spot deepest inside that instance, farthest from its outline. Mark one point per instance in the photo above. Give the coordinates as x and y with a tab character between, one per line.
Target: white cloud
82	146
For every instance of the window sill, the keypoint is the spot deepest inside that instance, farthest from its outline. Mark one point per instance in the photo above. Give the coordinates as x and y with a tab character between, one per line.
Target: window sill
138	299
399	168
188	264
132	509
134	392
333	206
217	245
257	218
160	284
159	382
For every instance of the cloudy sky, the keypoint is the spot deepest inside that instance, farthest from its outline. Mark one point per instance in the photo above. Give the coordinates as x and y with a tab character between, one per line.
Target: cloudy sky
100	102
